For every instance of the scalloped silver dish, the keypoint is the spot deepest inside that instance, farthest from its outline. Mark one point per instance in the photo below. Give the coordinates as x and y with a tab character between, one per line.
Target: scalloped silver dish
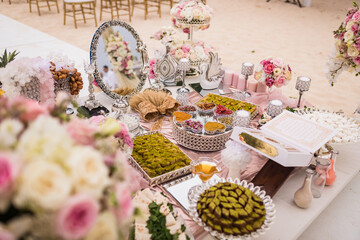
269	207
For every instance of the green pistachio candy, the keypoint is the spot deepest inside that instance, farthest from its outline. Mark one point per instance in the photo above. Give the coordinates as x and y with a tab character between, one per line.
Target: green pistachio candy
212	207
233	194
217	212
225	213
231	200
236	231
228	231
226	205
233	214
240	223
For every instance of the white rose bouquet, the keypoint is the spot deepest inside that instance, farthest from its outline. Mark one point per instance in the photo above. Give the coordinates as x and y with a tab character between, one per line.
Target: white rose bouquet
63	178
346	54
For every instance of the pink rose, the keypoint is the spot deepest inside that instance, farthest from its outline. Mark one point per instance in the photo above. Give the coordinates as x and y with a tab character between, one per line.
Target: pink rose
9	170
186	48
280	81
278	62
268	68
355	28
356	16
356	60
186	30
33	109
6	235
82	131
269	81
76	217
97	120
123	135
124	209
265	62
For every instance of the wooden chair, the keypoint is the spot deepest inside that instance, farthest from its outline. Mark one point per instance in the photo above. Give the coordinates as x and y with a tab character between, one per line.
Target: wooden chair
49	3
169	2
114	7
146	5
72	8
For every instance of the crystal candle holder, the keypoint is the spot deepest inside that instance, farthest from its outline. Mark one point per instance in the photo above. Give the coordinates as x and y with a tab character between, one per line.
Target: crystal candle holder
241	118
302	85
247	69
183	66
274	108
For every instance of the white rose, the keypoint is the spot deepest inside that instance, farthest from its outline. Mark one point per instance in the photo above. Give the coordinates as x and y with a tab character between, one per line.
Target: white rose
179	53
45	139
188	14
43	184
88	171
193	57
104	228
348	36
353	51
350	24
196	13
277	71
9	130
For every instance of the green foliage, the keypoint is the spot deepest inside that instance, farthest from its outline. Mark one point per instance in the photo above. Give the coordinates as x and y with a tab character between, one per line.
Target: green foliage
7	57
355	4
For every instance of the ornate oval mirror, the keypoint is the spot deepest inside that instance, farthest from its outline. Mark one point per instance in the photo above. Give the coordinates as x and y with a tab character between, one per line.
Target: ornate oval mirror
120	59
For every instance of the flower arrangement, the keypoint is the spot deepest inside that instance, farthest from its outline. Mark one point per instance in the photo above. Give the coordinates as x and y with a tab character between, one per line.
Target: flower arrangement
346	54
119	54
194	51
56	182
192	12
40	79
273	72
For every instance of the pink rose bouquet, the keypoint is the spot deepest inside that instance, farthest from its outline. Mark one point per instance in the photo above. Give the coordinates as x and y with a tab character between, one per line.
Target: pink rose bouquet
346	54
55	179
273	72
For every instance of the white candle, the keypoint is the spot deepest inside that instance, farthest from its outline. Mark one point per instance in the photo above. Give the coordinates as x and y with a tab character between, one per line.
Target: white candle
276	102
242	113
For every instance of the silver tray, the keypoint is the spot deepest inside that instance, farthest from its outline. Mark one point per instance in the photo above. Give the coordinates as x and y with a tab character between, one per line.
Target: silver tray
269	207
161	178
253	114
200	142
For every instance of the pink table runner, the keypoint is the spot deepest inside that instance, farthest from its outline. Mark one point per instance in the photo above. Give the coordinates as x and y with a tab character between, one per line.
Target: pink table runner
252	168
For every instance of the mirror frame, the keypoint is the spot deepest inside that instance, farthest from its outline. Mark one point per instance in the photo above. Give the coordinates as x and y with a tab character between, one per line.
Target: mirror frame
140	47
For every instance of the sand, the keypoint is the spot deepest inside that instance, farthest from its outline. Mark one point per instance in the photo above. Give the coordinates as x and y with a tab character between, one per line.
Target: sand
242	30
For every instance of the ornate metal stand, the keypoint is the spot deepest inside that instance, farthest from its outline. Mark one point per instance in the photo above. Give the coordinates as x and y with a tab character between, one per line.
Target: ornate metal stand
247	70
296	2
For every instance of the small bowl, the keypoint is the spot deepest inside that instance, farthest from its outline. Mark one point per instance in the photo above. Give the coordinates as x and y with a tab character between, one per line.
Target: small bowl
208	112
179	123
191	129
215	131
193	113
228	126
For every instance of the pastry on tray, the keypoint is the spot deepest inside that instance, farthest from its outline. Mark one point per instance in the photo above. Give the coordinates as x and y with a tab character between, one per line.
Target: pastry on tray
229	103
157	155
231	209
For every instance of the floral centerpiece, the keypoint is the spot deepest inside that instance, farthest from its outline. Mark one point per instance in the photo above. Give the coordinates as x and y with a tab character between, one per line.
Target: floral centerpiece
346	54
273	72
40	79
191	12
62	178
120	55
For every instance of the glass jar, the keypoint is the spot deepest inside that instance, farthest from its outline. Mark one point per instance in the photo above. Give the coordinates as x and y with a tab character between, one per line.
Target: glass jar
303	196
319	179
183	98
331	175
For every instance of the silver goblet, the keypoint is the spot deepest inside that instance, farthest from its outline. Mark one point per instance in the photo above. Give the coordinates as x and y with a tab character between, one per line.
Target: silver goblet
302	85
247	70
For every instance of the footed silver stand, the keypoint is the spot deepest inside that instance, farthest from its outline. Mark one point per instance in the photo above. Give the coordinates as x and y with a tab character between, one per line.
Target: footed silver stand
91	103
120	105
247	70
